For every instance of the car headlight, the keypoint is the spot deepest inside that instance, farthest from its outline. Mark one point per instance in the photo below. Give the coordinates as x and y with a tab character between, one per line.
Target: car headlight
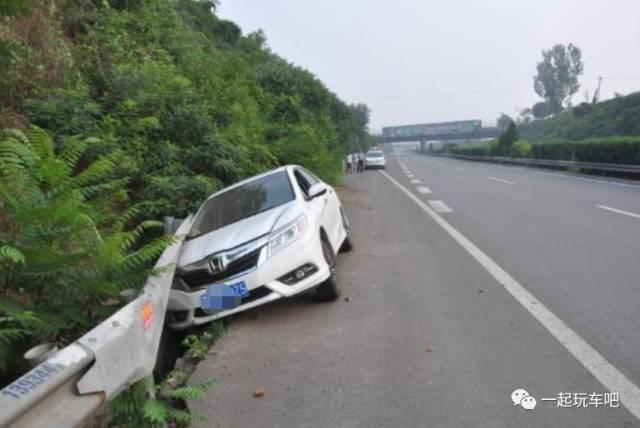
287	234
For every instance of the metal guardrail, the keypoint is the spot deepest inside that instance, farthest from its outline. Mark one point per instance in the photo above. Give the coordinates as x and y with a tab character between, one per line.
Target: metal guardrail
73	384
591	166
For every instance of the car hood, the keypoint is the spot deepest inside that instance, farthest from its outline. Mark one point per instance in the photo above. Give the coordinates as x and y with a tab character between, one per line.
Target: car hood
233	235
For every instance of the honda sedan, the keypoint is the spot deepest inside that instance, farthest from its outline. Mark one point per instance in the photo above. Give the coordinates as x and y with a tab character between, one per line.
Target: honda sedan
271	236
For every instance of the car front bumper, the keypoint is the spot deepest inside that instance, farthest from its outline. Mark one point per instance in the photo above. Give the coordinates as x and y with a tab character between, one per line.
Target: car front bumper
262	281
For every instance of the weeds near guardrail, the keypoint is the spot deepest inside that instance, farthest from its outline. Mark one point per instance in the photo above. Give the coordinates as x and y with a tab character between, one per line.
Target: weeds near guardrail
135	408
147	406
198	344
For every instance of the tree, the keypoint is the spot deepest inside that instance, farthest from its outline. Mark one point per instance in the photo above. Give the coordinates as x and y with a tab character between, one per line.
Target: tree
541	110
557	75
526	116
506	140
504	120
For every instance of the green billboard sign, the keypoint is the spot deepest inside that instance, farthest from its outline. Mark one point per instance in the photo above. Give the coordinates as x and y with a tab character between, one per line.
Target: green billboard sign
432	129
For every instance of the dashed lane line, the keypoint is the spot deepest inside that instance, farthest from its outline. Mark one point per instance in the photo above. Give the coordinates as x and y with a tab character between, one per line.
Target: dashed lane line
439	207
501	180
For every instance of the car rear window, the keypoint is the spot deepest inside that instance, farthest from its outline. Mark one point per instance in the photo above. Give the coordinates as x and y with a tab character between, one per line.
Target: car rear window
375	154
242	202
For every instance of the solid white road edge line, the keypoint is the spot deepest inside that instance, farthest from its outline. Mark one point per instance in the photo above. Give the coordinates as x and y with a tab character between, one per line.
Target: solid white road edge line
615	210
598	366
501	180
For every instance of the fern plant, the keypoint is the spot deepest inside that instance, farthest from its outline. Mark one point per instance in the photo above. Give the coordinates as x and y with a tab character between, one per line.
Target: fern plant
66	245
137	408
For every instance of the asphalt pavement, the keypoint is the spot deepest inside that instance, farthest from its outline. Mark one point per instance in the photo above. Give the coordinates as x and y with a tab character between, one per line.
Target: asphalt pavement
467	281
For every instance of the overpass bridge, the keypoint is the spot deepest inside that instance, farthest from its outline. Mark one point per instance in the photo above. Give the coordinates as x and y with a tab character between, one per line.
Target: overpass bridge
443	131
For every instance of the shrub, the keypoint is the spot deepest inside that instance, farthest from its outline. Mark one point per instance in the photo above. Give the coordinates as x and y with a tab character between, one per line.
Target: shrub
605	150
492	148
521	149
471	150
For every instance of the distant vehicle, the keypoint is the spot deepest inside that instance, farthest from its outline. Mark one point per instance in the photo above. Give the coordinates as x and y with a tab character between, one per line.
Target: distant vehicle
375	159
268	237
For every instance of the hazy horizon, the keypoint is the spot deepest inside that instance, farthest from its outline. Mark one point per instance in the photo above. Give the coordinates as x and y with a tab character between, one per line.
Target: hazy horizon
412	62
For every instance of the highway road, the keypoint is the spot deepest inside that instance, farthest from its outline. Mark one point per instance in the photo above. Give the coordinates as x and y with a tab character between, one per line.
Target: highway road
468	281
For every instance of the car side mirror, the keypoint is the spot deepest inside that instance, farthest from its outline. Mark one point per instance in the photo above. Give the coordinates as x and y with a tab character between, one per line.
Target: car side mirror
316	190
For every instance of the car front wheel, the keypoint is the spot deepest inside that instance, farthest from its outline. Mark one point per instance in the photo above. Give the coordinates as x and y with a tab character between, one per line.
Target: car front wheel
329	289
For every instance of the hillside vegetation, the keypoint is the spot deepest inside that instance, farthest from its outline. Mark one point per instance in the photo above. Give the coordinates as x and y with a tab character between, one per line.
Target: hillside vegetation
616	117
607	132
117	111
190	102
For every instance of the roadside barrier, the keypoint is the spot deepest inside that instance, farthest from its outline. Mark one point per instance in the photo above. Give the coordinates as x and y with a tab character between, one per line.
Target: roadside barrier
558	164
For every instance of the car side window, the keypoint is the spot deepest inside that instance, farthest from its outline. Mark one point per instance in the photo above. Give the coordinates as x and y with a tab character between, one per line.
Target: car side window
302	182
311	179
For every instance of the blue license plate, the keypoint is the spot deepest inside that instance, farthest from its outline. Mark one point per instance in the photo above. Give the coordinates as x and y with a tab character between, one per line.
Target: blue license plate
240	288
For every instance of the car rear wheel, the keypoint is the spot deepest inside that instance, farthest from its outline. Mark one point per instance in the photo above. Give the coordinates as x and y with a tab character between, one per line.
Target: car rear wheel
329	289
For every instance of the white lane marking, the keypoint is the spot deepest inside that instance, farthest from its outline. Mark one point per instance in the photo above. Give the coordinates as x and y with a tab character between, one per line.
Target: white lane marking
598	366
509	167
590	180
415	181
410	176
615	210
440	207
501	180
424	190
460	169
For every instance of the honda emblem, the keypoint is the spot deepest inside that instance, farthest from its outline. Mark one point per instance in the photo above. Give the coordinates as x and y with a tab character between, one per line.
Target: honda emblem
217	265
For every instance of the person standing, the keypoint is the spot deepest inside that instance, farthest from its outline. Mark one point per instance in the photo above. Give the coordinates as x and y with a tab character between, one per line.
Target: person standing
361	162
349	163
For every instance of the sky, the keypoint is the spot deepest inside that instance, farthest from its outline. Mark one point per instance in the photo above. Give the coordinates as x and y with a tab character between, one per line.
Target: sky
423	61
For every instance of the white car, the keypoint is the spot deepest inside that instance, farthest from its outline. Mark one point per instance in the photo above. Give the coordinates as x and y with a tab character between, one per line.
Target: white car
268	237
375	159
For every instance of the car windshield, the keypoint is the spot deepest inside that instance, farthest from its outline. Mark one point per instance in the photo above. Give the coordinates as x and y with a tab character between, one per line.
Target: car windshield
242	202
375	155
